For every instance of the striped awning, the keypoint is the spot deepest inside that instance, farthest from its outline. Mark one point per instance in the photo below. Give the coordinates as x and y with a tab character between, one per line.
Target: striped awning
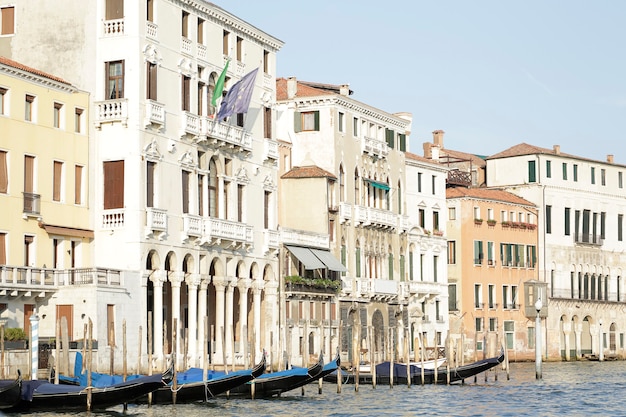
329	260
308	259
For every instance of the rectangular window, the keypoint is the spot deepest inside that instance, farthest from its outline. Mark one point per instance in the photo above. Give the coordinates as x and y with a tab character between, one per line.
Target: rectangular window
435	268
548	169
435	220
564	171
3	95
78	120
452	213
29	104
509	334
479	328
4	173
78	184
603	176
225	43
151	81
491	292
355	127
434	181
567	220
341	122
422	218
620	225
505	297
150	10
532	175
491	261
603	225
493	324
150	170
58	107
402	142
593	175
531	338
620	180
266	62
200	34
114	9
266	209
185	189
478	252
185	24
390	137
115	80
200	96
57	178
267	122
185	93
240	195
307	121
113	184
3	248
451	252
452	304
575	173
548	219
478	296
7	21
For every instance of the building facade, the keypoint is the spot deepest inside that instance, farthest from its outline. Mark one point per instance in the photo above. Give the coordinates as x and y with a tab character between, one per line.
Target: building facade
581	210
174	192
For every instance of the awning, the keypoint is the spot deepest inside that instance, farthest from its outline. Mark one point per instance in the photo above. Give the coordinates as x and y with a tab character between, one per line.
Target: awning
307	257
67	231
329	260
379	185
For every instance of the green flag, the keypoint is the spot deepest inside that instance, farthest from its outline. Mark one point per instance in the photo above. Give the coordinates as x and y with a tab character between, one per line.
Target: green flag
219	85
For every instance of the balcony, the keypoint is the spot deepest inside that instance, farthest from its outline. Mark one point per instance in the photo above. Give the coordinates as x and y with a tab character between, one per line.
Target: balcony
155	114
302	238
111	111
156	223
112	219
113	27
268	81
185	46
192	226
240	69
32	204
271	240
152	30
297	284
190	125
345	212
376	218
202	52
427	289
219	135
588	239
271	149
458	177
226	234
374	147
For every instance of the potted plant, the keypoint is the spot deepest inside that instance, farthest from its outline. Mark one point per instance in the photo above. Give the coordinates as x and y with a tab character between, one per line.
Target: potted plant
478	221
491	222
15	338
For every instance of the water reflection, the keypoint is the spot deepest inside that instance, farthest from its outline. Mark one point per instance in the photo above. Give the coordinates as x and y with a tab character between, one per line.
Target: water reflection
571	389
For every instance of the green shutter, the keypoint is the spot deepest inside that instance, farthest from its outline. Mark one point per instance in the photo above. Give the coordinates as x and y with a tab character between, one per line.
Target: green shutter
389	134
532	175
402	137
316	115
297	122
390	266
357	265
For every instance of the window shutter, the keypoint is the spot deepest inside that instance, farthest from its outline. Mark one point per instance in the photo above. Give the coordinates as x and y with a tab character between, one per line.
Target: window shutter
78	184
402	137
150	184
297	122
29	166
56	191
185	187
389	134
113	185
316	115
8	20
4	176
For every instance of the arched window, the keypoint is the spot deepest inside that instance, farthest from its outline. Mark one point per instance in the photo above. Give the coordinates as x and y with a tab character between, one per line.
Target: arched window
213	208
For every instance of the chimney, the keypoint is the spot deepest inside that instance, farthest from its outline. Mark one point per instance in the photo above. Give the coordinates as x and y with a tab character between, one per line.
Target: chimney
557	149
344	89
427	152
609	159
435	153
292	87
438	138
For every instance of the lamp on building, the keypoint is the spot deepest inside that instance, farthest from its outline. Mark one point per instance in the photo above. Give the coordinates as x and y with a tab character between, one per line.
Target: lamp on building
538	305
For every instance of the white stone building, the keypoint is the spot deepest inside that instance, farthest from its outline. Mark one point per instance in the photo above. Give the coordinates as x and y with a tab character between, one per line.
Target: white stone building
581	243
183	205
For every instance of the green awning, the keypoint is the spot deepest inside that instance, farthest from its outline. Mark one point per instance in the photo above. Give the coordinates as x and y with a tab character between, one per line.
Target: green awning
379	185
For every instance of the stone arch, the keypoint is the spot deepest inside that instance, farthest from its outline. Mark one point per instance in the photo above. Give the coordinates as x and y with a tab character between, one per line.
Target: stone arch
153	260
586	346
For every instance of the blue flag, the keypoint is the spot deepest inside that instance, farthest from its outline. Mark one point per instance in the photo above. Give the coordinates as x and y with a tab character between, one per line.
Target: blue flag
237	99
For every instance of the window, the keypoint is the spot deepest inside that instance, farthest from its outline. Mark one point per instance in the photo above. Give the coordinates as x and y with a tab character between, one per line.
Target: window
113	184
213	208
479	328
307	121
29	108
78	120
390	137
239	49
478	252
266	62
603	225
531	256
603	176
4	173
185	24
114	9
435	268
452	213
200	95
435	220
150	10
567	220
548	169
422	218
151	81
57	178
57	113
451	252
3	248
620	179
505	297
115	80
476	212
419	182
267	122
225	43
509	333
564	171
341	122
490	254
240	195
434	181
3	95
531	338
593	175
186	175
150	171
78	184
478	296
200	37
267	199
532	175
493	324
490	215
7	21
452	305
620	217
548	219
185	93
575	173
491	289
355	127
402	142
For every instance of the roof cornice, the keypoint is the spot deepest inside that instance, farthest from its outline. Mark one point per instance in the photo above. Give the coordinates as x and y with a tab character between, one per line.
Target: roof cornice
37	79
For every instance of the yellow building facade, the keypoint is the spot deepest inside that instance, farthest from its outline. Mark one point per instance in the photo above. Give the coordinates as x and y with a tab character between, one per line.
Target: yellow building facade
45	227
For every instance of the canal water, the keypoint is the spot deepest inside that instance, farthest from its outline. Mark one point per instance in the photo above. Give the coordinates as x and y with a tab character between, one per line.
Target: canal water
566	389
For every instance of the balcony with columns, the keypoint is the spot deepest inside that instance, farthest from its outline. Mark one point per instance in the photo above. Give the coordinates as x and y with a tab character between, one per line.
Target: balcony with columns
190	125
426	290
192	227
304	238
271	241
156	223
221	135
374	147
226	234
152	30
375	217
155	114
113	27
111	111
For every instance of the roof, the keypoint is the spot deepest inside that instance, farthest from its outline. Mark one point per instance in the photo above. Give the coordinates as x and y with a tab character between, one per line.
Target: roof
458	155
494	194
309	171
305	89
26	68
414	157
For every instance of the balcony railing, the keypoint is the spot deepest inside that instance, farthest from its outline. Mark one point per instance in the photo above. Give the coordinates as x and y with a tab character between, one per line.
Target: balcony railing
226	233
202	52
111	111
222	134
374	217
271	149
21	278
151	30
588	239
271	240
156	219
345	212
155	114
190	124
374	147
114	27
185	45
112	219
32	204
302	238
192	225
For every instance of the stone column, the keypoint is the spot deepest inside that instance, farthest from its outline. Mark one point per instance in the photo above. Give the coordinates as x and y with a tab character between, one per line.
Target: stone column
202	313
192	332
271	313
257	287
220	284
578	340
158	278
243	285
176	279
228	321
567	331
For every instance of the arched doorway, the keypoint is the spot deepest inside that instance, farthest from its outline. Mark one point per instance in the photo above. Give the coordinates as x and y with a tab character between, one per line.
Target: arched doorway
378	326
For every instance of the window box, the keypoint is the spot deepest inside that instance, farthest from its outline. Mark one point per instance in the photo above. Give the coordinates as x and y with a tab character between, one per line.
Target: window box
438	233
491	222
478	221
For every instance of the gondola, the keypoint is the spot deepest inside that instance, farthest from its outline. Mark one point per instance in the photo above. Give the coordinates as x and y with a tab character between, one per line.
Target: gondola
277	383
329	368
40	395
10	392
191	385
444	375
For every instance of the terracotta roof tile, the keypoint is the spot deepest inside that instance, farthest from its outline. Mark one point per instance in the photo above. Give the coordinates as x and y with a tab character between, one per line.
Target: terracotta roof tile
526	149
310	171
476	159
410	155
487	194
304	89
17	65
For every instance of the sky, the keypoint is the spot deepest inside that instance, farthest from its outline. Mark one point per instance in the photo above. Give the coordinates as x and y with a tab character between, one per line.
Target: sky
491	74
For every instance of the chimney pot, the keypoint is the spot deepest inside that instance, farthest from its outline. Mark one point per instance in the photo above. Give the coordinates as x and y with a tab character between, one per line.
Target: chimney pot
609	159
344	89
557	149
438	138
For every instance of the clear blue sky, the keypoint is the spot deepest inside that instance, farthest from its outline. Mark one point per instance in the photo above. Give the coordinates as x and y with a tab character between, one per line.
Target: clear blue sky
491	74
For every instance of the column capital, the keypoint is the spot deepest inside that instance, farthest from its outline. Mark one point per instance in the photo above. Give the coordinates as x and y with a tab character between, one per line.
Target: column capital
221	282
244	284
176	278
158	277
193	280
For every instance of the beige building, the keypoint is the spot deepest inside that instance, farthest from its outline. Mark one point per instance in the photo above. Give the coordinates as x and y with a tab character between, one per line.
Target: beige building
492	253
46	232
